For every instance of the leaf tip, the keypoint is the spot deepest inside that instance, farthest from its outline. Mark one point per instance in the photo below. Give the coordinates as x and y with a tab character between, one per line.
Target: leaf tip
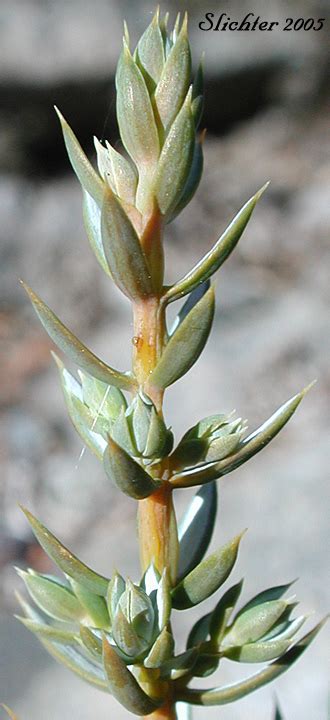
261	191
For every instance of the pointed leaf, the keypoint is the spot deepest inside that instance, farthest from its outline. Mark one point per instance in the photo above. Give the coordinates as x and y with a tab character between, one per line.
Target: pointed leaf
246	449
250	625
126	473
94	605
222	612
141	422
175	162
159	440
123	251
207	577
273	593
193	179
56	601
284	628
175	79
116	171
104	399
186	345
78	663
121	433
76	351
134	112
211	262
264	650
123	685
192	300
230	693
115	590
161	650
151	49
91	642
125	637
65	560
199	632
82	418
89	179
63	637
180	665
196	528
92	222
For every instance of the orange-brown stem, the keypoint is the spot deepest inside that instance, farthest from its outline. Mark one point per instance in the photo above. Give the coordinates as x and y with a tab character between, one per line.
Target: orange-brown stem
158	532
167	712
158	537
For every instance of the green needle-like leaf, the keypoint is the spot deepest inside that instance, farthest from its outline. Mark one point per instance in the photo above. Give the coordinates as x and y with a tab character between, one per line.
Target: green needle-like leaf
55	600
175	79
65	560
194	297
151	54
78	663
161	650
222	613
123	685
87	176
199	631
91	642
74	349
63	637
175	161
250	625
126	473
196	528
94	605
192	182
263	650
124	254
211	262
180	665
92	222
230	693
207	577
87	425
134	113
246	449
118	172
186	344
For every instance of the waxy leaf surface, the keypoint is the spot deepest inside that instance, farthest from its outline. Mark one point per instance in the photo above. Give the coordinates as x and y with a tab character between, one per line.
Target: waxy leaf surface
87	176
126	473
74	349
196	528
123	685
65	560
217	255
207	577
186	344
246	449
124	254
230	693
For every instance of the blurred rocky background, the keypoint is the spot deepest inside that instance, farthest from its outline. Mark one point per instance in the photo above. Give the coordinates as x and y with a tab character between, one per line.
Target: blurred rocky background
267	114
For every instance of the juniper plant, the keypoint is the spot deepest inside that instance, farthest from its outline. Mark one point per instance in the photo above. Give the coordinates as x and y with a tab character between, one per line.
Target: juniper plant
114	633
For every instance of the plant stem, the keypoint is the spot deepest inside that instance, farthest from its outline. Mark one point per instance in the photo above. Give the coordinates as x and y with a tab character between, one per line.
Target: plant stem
158	537
156	518
167	712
